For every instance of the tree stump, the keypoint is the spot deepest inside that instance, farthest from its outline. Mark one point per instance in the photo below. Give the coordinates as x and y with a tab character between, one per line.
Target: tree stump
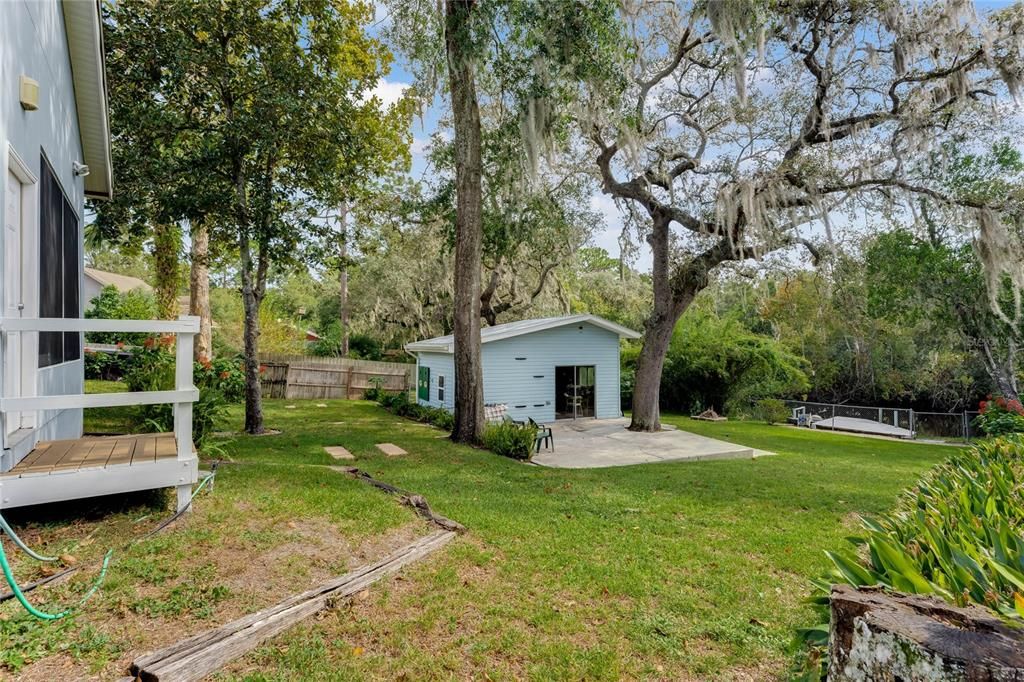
890	637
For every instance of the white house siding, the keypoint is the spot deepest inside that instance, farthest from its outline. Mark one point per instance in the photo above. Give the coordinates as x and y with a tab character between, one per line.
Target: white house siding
440	364
90	290
33	43
520	371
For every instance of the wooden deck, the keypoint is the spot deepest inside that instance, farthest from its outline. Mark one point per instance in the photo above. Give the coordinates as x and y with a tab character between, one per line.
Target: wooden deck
66	456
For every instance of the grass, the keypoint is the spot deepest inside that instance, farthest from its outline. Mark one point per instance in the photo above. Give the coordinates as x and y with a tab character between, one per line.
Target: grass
671	571
106	419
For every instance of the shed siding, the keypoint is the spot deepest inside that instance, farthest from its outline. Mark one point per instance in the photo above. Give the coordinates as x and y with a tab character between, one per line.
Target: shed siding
527	386
33	37
440	364
531	382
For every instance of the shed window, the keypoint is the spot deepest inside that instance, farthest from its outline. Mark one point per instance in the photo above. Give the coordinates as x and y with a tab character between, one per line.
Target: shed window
440	387
59	269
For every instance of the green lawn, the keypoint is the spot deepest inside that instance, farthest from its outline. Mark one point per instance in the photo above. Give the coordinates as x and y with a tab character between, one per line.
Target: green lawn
671	571
106	419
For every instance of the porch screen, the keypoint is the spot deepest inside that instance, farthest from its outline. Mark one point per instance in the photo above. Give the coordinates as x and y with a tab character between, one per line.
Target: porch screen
59	264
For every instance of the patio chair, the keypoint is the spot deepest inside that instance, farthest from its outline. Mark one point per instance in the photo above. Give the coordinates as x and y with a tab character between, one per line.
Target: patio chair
510	420
544	435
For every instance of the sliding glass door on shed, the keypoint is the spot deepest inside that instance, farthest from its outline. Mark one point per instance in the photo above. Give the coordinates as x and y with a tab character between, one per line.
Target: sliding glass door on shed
574	391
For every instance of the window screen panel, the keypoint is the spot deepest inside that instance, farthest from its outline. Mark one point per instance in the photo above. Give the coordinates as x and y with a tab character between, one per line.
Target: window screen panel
72	261
51	257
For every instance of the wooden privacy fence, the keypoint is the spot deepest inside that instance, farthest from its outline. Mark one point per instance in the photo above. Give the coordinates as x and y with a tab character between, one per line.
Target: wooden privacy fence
299	376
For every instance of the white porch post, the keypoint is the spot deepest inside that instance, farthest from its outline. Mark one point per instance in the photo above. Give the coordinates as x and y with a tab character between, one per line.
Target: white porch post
183	410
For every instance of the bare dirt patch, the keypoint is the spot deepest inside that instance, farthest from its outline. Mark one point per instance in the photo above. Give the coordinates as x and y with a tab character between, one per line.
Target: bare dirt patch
254	565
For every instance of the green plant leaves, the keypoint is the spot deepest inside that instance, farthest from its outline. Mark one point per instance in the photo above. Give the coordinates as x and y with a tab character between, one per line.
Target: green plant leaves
959	533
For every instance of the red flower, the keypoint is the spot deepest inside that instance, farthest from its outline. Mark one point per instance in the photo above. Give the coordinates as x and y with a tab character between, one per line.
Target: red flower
225	374
263	369
149	342
120	345
982	406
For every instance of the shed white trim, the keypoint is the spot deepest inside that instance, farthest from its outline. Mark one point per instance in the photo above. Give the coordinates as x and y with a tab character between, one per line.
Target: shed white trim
83	25
446	344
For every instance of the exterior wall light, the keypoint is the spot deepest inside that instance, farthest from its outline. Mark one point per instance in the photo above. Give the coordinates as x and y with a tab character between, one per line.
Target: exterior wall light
29	94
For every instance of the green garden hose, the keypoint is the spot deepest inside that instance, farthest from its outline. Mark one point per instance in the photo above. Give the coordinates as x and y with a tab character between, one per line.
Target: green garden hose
5	527
42	615
17	592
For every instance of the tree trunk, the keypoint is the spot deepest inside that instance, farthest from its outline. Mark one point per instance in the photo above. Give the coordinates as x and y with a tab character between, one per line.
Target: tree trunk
673	294
166	243
649	365
1002	370
469	398
250	337
657	335
199	290
343	276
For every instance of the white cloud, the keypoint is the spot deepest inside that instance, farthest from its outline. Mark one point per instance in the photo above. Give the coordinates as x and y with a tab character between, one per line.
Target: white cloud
388	92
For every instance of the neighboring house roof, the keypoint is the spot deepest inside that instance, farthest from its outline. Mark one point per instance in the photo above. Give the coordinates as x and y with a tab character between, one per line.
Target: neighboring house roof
123	283
84	29
446	344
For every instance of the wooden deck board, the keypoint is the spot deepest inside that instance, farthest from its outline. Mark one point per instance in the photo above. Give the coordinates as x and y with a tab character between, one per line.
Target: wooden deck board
63	456
166	446
50	457
122	452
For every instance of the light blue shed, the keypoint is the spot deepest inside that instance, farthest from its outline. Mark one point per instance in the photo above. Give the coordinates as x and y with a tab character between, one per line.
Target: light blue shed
547	369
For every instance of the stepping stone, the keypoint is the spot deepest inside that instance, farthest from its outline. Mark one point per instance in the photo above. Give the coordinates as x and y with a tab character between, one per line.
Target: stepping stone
321	404
338	452
391	450
289	407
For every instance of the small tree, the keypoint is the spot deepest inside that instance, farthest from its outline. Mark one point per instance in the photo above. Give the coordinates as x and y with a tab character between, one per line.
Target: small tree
258	112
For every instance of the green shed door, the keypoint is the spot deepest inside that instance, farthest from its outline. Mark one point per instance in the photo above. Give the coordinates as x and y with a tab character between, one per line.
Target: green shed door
423	385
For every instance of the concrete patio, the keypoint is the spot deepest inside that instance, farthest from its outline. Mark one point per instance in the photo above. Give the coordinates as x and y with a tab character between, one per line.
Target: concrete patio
594	443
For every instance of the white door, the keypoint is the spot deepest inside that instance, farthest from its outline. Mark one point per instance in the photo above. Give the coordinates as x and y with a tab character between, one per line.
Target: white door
13	292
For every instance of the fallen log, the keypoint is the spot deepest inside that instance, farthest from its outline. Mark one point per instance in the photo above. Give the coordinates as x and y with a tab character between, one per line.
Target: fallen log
192	659
879	635
417	502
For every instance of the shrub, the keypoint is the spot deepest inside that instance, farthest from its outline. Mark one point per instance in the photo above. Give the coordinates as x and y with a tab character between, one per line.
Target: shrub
97	365
999	416
441	418
374	392
959	534
510	439
399	404
771	411
113	305
224	375
151	368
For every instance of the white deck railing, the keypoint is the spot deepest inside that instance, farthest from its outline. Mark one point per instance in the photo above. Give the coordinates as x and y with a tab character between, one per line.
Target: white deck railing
182	397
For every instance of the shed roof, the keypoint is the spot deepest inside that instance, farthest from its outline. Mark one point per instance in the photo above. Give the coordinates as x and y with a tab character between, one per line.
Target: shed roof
84	28
446	344
123	283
